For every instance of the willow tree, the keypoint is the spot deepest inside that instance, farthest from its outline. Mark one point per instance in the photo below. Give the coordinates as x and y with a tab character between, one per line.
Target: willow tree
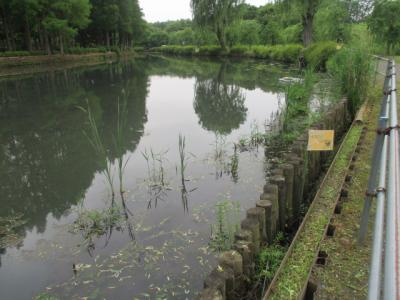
215	15
307	10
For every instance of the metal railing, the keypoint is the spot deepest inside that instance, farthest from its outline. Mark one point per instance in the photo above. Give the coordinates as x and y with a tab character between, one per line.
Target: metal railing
384	185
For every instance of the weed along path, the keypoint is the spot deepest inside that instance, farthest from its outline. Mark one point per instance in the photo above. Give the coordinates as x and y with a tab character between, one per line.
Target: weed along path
345	274
291	279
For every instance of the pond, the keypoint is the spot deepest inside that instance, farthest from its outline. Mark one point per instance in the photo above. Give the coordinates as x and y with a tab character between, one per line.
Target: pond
179	132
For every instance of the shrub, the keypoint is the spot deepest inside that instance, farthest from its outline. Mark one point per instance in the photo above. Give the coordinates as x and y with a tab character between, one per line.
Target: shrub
286	53
318	54
239	50
262	52
210	50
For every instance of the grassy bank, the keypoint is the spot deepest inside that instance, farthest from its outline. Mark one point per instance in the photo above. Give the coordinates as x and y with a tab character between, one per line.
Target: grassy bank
345	276
316	55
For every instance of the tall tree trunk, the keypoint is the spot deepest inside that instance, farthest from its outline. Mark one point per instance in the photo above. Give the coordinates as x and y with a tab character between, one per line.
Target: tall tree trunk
28	38
108	39
61	44
46	42
308	21
221	37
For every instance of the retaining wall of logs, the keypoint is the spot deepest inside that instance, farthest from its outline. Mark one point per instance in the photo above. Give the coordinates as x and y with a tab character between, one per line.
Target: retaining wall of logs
288	187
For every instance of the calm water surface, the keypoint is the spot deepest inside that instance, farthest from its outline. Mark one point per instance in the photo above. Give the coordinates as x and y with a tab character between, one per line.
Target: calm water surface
159	248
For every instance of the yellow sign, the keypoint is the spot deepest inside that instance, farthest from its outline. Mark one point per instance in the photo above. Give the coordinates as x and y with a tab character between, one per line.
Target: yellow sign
321	140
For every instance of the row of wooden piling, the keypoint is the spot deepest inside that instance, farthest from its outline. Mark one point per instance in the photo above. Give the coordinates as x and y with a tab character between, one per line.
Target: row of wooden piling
291	179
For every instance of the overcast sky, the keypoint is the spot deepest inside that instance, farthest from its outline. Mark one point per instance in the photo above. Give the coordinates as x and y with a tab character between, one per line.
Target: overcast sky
163	10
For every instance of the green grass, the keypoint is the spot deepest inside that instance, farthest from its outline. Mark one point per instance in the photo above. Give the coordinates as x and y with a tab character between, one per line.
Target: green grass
293	275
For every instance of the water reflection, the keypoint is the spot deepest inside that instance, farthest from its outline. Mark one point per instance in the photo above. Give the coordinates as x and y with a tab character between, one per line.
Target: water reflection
165	206
219	105
46	163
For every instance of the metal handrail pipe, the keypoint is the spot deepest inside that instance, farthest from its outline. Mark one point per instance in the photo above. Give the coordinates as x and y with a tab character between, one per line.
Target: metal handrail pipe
374	285
391	277
373	178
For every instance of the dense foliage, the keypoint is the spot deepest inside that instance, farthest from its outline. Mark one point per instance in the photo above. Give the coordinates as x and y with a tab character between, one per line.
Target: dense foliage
280	22
51	25
385	23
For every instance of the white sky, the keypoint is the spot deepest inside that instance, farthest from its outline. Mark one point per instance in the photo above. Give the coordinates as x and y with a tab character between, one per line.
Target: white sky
163	10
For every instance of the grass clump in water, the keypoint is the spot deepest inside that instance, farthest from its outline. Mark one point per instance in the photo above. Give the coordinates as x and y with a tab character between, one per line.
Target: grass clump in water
227	224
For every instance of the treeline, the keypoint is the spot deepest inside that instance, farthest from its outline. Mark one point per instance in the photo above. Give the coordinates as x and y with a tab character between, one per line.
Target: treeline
79	26
52	26
281	22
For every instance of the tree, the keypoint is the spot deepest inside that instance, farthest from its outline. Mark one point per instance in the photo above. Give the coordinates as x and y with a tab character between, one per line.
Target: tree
307	10
65	17
245	32
26	11
268	16
332	22
384	23
216	15
105	16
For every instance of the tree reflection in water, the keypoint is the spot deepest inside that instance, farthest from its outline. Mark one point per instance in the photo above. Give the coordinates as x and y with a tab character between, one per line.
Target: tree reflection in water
221	109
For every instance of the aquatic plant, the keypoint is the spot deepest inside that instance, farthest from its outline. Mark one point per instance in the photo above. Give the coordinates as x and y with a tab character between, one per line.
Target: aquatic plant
227	224
256	136
219	156
93	224
99	148
234	164
155	167
183	165
119	138
156	181
296	115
